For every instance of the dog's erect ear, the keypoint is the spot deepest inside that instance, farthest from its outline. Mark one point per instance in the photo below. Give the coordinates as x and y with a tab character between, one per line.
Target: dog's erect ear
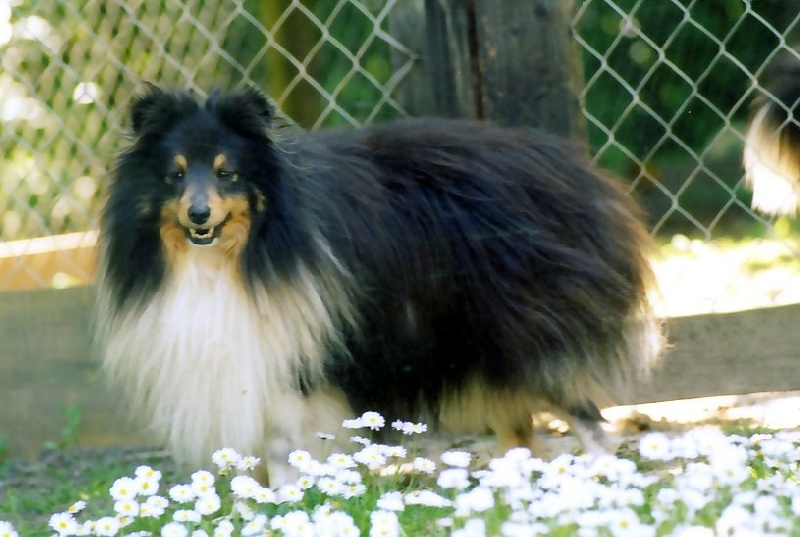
248	112
155	108
259	103
144	105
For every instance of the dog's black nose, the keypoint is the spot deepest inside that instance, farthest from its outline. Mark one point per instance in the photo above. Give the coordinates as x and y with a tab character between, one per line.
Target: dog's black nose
199	213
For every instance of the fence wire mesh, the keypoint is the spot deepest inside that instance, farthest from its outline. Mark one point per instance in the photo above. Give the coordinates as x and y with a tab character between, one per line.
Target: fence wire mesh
667	87
69	69
666	96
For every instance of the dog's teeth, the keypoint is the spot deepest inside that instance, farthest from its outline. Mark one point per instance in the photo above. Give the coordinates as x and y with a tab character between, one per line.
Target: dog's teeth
201	236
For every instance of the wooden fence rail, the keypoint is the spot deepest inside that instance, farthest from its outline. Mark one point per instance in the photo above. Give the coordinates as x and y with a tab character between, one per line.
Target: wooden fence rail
47	364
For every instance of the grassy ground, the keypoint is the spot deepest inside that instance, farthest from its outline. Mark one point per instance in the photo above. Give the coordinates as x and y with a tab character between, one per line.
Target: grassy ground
32	490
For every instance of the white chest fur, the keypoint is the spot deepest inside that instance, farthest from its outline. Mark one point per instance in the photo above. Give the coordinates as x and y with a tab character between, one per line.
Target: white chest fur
212	365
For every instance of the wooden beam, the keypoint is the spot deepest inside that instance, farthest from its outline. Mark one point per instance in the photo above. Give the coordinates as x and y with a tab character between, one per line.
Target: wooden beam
514	63
727	354
56	261
408	24
46	364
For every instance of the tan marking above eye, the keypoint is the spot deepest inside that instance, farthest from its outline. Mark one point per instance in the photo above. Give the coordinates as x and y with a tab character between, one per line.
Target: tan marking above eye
181	163
223	169
220	161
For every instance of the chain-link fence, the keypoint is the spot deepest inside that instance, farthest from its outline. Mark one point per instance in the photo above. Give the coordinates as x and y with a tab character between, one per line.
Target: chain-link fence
666	96
69	69
666	91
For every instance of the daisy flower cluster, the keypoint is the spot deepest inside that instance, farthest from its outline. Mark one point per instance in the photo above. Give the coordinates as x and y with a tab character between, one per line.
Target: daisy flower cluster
699	484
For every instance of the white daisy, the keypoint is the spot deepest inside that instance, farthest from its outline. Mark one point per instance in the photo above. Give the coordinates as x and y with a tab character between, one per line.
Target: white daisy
373	420
106	527
208	504
391	501
459	459
174	529
225	458
340	461
63	523
186	515
655	446
182	493
384	524
124	488
244	486
7	530
248	463
426	466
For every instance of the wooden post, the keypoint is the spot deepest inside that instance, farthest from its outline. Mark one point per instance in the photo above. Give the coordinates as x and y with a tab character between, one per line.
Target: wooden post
510	62
530	66
443	83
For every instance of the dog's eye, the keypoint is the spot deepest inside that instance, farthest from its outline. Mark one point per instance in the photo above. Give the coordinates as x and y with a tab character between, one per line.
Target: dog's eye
227	175
175	176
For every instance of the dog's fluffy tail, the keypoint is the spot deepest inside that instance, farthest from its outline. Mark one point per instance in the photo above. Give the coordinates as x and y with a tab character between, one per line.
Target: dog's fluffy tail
772	144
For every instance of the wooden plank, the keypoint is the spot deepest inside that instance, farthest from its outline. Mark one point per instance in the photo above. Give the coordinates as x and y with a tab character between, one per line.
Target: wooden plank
56	261
727	354
530	67
46	365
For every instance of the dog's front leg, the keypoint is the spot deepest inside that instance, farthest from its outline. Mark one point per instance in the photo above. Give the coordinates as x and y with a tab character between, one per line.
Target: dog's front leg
311	423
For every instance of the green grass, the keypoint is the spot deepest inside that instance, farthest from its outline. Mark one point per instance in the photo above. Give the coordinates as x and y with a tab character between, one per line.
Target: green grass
694	483
69	432
31	491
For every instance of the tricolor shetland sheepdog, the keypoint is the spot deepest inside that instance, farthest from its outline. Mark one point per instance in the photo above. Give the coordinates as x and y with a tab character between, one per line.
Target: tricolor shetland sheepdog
772	144
260	286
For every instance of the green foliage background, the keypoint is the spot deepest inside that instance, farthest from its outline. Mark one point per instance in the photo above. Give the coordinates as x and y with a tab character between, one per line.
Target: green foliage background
686	86
673	82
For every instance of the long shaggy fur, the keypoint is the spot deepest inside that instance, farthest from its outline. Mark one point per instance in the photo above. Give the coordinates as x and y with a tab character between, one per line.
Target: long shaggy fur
772	143
454	272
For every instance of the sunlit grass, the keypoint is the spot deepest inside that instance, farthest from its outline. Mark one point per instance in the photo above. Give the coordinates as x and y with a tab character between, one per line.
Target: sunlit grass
697	276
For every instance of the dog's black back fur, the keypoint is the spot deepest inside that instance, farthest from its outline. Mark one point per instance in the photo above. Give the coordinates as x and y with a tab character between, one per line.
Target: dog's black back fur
508	249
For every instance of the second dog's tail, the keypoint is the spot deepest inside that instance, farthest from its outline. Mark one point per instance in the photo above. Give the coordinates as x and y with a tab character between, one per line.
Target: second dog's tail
772	145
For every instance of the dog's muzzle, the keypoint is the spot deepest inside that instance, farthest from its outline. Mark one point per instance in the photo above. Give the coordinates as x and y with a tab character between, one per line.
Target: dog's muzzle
199	231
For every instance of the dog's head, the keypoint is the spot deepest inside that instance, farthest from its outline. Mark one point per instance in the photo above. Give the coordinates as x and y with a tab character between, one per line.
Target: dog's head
194	165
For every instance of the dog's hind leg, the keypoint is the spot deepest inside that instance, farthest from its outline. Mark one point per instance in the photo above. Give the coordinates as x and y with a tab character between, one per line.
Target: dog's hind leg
585	422
521	435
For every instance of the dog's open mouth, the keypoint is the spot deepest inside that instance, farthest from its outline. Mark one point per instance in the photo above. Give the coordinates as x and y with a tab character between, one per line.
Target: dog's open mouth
205	235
